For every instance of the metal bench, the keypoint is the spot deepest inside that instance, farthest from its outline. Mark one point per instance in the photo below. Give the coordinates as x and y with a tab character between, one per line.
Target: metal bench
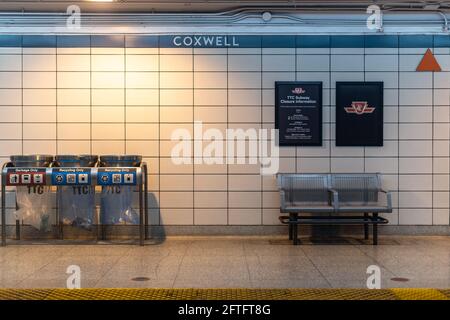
304	193
333	195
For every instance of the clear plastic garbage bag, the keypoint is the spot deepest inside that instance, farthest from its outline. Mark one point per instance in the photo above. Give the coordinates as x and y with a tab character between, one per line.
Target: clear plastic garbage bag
77	206
117	204
34	206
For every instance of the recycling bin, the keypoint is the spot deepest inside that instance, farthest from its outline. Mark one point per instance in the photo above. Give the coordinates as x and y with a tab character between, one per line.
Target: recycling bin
33	199
76	202
117	199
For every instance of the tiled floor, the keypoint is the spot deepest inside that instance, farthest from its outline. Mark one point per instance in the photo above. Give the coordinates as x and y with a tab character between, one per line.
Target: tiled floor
258	262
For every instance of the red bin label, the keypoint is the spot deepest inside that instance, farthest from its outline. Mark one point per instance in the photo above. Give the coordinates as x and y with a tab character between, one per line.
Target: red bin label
25	177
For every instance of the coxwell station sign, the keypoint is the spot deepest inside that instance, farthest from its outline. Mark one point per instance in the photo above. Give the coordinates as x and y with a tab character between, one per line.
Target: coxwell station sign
205	41
224	41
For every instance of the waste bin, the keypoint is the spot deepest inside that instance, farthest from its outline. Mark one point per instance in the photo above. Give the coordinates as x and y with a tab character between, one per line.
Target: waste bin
117	200
34	202
76	203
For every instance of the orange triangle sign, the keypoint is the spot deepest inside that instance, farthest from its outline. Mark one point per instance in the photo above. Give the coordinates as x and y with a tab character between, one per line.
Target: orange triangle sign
428	63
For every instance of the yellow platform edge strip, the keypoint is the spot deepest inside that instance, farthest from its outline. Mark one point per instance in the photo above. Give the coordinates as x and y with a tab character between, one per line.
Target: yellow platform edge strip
224	294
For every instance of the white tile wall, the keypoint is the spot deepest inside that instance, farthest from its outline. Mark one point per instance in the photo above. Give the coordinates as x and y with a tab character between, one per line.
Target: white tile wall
214	199
419	80
11	131
107	62
104	101
409	62
214	63
381	62
210	216
382	165
74	80
347	63
415	216
11	97
35	97
244	63
389	78
74	63
415	97
278	62
142	62
175	63
39	62
10	62
244	216
39	114
74	97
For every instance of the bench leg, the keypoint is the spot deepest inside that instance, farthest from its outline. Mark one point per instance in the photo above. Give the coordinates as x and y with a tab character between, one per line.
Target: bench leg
295	234
291	226
366	226
18	229
290	231
375	230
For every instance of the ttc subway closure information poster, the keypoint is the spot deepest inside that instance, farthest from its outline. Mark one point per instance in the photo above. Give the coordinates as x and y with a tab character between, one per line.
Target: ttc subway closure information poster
359	113
298	113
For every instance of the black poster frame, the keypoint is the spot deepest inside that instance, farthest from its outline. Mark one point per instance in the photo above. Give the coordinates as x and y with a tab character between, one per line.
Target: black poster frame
319	136
379	140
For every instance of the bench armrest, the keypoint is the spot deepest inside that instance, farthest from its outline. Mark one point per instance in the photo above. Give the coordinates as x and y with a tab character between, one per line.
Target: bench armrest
388	197
334	198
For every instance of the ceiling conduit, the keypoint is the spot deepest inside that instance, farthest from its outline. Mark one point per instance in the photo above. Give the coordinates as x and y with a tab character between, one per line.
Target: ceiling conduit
295	17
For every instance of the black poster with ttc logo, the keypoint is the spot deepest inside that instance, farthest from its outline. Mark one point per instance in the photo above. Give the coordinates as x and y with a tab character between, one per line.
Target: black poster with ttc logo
359	113
298	113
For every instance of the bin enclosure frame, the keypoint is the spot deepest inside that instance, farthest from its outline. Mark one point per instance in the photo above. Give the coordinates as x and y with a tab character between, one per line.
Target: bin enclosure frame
141	184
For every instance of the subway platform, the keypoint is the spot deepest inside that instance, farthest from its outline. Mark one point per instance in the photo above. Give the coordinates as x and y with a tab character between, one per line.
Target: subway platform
239	263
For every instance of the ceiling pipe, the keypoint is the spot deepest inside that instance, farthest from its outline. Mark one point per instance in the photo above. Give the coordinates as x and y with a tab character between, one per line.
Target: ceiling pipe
236	16
445	27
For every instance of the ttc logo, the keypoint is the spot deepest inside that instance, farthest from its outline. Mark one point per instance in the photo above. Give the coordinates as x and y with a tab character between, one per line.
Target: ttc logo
298	91
359	107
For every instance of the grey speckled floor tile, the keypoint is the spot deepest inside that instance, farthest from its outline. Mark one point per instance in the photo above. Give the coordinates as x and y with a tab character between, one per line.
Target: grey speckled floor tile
230	262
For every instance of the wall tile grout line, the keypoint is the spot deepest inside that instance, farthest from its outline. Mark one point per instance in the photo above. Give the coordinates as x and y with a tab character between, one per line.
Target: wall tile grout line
22	94
159	133
125	95
193	121
90	95
199	88
56	97
432	144
297	151
364	72
228	125
330	133
261	200
398	136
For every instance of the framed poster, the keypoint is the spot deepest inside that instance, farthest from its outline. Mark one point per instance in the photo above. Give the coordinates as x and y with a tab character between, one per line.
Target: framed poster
298	113
359	113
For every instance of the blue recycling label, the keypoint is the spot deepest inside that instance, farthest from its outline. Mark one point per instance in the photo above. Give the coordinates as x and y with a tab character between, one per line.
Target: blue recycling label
71	176
116	176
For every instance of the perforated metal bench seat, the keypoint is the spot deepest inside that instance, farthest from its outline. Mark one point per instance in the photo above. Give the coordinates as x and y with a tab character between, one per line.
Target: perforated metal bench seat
306	193
360	192
365	208
294	208
333	194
